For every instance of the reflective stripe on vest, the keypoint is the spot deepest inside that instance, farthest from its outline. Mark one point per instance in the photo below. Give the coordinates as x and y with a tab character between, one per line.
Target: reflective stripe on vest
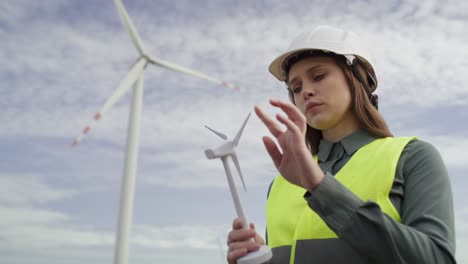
294	229
332	250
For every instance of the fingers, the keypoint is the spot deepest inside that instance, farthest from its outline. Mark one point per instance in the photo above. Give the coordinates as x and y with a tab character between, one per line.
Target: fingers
290	109
257	238
240	249
232	256
295	118
241	241
237	223
273	151
274	128
238	233
243	247
288	123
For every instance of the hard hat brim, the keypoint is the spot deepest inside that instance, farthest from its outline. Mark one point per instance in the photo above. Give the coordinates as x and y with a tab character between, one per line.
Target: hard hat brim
276	67
330	40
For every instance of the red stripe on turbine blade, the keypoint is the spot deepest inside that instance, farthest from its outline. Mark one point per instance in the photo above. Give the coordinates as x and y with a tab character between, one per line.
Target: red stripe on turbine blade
237	88
224	83
86	130
74	143
97	116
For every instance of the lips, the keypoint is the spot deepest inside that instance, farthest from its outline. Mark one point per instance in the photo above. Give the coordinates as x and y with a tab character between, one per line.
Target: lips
312	106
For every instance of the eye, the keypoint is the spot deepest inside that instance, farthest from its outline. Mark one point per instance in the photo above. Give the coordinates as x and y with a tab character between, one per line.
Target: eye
319	77
296	89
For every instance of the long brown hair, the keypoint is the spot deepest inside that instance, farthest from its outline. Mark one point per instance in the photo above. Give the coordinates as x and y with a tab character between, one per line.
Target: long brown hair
368	116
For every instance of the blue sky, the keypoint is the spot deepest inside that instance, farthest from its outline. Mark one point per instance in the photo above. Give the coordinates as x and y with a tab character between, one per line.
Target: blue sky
61	59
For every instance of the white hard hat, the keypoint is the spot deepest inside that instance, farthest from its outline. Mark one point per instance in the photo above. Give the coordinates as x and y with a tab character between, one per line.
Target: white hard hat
328	39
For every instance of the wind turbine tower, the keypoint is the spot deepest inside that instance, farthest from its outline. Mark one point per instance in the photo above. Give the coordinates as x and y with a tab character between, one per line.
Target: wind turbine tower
134	78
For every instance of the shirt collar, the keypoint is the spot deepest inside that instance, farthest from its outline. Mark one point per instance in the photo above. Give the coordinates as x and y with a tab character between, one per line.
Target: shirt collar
351	144
324	150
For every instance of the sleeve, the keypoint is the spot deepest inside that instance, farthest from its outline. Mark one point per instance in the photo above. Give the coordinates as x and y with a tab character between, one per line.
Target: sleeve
426	233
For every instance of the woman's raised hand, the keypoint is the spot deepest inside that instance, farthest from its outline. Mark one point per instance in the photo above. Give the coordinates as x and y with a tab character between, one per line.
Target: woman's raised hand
295	162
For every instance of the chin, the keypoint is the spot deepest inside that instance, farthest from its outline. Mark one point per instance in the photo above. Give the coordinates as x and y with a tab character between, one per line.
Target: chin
317	125
317	122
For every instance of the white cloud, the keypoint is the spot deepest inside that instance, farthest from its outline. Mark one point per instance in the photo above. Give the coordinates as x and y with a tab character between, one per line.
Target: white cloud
57	73
33	228
12	12
415	62
196	237
29	228
29	215
29	190
451	149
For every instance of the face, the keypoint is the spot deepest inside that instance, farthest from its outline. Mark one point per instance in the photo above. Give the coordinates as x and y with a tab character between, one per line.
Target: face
321	93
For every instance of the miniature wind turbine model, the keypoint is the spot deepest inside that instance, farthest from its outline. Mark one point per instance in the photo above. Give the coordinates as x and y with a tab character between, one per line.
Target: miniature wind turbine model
223	152
134	76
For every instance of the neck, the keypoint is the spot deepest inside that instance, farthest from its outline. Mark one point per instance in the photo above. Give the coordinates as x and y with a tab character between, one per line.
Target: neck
346	127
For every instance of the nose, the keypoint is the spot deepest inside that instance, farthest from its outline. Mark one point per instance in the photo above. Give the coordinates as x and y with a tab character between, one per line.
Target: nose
308	90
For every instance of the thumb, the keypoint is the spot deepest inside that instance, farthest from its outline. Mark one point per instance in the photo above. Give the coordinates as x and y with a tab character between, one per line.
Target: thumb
273	151
257	237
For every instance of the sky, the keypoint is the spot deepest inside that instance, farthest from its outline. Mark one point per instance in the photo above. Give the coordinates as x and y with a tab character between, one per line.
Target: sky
61	59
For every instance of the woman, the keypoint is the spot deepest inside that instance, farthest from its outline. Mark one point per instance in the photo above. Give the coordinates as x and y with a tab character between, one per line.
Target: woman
351	192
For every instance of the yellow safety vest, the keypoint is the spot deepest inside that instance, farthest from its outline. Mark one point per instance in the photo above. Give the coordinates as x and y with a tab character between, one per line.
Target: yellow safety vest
295	231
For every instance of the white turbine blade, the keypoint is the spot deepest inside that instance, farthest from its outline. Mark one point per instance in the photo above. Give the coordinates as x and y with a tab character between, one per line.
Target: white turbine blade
194	73
134	73
221	135
237	138
236	162
127	21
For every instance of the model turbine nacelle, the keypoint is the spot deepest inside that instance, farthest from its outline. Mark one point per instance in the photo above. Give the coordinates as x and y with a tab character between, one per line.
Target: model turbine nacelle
227	149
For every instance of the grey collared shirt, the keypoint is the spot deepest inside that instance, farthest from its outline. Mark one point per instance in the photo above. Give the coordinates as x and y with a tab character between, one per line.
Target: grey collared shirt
421	193
333	156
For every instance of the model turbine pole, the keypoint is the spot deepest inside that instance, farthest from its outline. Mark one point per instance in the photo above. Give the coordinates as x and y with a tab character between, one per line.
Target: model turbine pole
223	152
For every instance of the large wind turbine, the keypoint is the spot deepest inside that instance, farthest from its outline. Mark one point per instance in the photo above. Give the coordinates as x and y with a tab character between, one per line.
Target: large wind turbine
223	152
134	78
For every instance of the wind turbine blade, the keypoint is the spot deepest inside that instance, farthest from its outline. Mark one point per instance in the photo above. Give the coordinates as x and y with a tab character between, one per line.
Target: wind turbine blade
236	162
134	73
221	135
178	68
127	21
237	138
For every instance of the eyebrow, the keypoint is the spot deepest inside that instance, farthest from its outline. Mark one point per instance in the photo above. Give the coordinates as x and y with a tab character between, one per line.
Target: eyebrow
307	71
